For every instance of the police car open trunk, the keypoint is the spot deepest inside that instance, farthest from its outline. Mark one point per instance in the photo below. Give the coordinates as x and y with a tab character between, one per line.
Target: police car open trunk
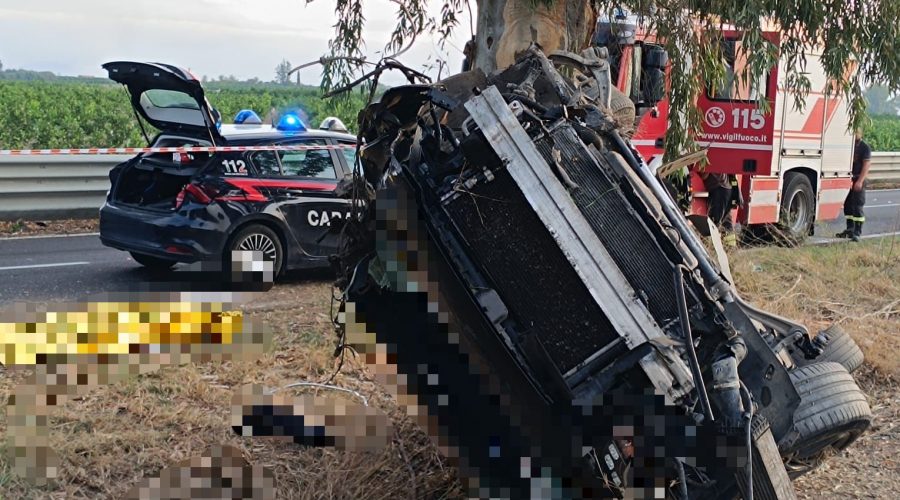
543	307
157	181
172	100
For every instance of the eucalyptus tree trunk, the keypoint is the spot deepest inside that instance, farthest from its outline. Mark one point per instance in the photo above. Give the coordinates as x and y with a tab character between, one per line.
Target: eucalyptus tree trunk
506	27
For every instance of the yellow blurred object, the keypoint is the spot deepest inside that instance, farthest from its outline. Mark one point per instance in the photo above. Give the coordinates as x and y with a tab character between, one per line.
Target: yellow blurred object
116	328
730	240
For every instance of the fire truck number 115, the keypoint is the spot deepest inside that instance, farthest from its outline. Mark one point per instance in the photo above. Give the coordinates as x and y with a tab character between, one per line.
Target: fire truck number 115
748	118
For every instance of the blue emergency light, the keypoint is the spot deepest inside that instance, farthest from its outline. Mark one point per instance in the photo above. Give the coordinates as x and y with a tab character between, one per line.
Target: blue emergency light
247	116
290	122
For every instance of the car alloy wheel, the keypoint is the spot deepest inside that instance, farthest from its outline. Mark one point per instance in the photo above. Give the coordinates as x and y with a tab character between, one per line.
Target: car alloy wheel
257	238
261	243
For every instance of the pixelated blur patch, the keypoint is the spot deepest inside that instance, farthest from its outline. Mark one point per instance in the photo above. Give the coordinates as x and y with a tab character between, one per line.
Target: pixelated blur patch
183	329
222	472
310	420
76	347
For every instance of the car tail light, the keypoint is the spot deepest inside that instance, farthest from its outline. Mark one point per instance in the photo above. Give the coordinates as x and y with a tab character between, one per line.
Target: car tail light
228	191
200	193
180	158
178	249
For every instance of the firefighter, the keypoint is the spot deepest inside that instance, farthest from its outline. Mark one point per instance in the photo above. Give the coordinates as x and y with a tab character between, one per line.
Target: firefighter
720	199
856	198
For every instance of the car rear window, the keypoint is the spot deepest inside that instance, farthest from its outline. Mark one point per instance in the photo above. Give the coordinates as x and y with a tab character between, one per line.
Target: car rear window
178	160
170	99
177	142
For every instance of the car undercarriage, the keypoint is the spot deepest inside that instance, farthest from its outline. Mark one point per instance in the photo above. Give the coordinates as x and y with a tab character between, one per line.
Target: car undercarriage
534	296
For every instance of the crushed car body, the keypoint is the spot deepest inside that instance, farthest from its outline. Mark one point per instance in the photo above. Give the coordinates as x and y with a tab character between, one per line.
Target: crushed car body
535	298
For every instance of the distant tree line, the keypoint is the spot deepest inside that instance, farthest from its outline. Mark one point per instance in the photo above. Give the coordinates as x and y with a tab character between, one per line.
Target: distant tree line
66	114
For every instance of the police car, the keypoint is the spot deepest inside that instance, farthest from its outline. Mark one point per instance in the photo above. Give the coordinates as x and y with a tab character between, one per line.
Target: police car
165	208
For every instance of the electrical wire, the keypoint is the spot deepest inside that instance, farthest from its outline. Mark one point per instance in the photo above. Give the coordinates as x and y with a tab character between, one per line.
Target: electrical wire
682	479
748	414
689	340
324	386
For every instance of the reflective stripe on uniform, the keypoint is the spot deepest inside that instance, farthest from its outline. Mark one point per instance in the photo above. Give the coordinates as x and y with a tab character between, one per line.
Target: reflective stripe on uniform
855	219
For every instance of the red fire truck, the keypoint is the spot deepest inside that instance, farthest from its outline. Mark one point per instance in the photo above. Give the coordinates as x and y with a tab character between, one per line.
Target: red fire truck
792	166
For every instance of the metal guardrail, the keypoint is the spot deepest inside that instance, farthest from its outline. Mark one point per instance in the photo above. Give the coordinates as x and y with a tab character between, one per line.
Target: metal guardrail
885	167
46	187
37	187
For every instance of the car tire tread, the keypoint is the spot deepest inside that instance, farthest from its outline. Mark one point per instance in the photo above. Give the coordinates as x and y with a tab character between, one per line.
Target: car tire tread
841	348
829	400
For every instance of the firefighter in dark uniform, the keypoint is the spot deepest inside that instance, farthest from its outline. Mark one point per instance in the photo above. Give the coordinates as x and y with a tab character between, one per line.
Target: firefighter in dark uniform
856	198
719	206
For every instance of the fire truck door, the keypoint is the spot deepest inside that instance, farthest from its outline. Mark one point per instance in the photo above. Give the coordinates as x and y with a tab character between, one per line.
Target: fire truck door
739	135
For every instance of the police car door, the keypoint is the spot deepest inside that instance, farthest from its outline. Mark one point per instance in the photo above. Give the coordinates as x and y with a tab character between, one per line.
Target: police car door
306	199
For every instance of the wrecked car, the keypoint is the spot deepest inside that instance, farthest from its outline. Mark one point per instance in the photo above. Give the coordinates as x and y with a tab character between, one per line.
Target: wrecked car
529	289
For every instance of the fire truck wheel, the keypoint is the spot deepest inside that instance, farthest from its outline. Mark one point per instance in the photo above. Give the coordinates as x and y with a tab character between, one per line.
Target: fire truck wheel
839	348
833	413
798	208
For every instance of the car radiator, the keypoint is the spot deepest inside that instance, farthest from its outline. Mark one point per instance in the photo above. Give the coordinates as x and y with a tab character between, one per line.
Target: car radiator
544	248
543	293
614	220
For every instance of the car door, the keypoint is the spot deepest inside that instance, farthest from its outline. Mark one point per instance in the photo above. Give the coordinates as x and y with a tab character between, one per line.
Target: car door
303	192
169	98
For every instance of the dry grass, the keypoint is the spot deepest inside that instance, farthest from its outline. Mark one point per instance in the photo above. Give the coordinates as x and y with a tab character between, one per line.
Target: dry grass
856	285
111	439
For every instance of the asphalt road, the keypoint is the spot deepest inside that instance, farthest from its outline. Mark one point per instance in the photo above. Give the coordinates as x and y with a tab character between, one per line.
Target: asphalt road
63	268
882	216
66	268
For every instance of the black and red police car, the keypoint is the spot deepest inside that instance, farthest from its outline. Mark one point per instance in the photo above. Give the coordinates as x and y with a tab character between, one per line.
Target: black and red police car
165	208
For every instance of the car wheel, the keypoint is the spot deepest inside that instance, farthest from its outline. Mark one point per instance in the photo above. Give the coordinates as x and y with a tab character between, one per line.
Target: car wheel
798	208
839	348
833	413
258	238
154	263
622	110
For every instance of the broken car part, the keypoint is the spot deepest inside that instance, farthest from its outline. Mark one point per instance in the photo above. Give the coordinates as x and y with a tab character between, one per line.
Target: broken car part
530	291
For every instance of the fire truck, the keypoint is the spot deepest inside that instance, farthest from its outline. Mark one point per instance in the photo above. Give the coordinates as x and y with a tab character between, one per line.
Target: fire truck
792	166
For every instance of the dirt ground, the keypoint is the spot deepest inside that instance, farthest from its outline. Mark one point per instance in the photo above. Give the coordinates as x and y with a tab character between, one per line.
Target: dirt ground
41	228
117	435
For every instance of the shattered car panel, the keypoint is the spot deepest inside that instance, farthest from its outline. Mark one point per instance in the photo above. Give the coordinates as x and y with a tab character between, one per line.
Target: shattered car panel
517	276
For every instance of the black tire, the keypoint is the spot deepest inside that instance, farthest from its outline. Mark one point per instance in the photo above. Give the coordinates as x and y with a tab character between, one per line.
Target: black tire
257	237
622	110
833	413
839	348
798	209
154	263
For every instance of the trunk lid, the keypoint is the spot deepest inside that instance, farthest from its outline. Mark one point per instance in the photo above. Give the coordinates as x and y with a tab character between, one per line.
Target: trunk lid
169	98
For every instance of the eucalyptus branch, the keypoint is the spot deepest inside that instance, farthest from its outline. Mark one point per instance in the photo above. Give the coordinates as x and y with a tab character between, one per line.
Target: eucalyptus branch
327	60
856	42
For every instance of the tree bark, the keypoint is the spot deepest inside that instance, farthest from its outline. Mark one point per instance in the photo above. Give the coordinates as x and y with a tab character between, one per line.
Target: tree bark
506	27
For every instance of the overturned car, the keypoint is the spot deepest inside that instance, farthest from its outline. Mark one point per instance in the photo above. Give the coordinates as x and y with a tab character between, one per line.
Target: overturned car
533	295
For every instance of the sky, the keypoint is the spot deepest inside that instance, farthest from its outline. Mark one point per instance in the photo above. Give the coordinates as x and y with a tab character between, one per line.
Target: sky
244	38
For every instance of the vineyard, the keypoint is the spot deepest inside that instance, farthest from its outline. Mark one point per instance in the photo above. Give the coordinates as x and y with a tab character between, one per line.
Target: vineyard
52	114
884	133
73	115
